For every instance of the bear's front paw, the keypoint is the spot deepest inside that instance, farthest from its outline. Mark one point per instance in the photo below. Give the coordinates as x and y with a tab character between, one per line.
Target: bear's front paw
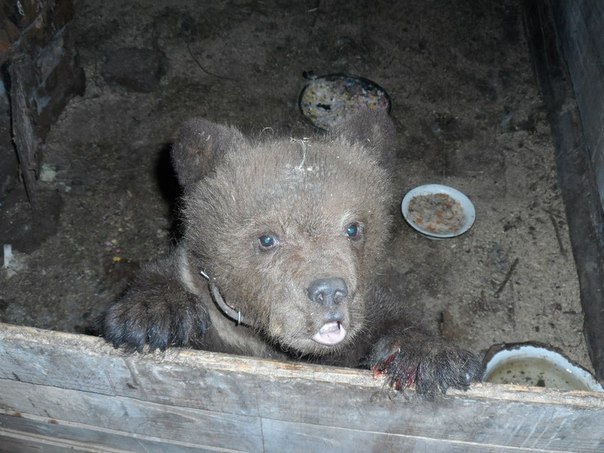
431	365
154	318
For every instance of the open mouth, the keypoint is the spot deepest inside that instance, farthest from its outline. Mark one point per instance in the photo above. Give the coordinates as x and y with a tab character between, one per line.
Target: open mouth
330	334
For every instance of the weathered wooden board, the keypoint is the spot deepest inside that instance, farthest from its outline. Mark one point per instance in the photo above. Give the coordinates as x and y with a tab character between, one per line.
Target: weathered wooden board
580	31
60	391
40	63
24	135
572	128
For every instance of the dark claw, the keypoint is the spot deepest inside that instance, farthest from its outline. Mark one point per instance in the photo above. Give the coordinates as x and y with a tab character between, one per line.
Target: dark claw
141	318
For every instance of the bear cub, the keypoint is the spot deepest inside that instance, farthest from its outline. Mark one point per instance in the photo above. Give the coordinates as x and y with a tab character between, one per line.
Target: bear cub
282	243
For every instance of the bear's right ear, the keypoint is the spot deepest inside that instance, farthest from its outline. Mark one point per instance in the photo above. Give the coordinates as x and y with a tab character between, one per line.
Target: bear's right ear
199	145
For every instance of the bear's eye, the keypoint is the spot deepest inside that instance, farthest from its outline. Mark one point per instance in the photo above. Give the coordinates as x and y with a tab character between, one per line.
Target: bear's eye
267	241
353	231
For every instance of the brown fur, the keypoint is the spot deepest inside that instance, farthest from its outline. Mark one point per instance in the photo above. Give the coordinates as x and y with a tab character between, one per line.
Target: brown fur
322	205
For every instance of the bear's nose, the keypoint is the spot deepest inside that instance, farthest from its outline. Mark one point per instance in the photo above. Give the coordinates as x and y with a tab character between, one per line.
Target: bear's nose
328	291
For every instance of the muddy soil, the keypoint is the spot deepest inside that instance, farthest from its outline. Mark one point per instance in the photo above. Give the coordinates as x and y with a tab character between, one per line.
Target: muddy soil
468	114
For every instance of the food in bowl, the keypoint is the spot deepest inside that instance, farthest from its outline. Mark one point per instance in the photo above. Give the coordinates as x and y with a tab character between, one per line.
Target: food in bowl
438	211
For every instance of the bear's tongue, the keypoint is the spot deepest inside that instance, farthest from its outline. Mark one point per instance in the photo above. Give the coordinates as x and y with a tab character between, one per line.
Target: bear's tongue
330	334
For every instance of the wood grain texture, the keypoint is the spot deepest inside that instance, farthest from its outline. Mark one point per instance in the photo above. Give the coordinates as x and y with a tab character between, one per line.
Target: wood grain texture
24	136
556	27
579	26
65	389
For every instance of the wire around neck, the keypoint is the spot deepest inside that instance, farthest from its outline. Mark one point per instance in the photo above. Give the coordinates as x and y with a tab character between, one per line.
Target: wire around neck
229	311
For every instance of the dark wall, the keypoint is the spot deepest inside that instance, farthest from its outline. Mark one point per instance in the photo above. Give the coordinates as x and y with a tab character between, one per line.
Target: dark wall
39	74
580	31
567	46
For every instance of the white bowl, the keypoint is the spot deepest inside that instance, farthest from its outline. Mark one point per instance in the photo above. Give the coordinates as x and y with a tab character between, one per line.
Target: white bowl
535	365
433	189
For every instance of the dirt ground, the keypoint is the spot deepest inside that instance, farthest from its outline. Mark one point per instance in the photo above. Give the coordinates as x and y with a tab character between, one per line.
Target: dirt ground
468	114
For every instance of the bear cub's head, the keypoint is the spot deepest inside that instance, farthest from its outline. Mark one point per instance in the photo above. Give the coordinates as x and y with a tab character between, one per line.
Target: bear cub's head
290	230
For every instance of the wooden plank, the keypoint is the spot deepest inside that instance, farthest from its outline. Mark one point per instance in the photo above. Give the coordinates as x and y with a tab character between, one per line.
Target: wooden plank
579	25
43	72
103	417
24	136
576	176
37	433
317	439
296	436
88	363
194	399
459	420
16	441
25	444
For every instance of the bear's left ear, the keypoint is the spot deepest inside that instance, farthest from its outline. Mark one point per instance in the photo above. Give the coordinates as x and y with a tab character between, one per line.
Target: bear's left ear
199	145
373	129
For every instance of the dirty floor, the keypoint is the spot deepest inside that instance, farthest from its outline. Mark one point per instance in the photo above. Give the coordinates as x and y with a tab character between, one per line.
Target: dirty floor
468	114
